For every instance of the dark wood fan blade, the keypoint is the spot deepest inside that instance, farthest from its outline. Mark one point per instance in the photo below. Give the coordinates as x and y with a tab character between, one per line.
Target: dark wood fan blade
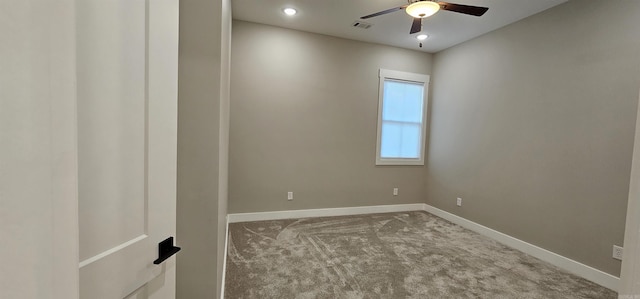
416	26
384	12
465	9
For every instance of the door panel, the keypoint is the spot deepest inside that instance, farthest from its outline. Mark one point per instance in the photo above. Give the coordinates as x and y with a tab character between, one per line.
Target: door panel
127	99
112	123
38	190
139	294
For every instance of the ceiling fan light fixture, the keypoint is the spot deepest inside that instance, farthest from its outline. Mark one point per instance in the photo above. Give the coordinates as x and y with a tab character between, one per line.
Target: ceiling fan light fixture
422	9
422	37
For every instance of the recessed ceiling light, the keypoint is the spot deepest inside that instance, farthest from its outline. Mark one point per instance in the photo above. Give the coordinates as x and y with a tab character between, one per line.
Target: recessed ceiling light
290	11
422	36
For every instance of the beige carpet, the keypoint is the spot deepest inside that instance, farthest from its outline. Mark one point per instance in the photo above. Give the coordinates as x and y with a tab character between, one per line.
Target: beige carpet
393	255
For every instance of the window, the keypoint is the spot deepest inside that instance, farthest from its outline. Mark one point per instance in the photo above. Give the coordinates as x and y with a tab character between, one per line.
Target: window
401	118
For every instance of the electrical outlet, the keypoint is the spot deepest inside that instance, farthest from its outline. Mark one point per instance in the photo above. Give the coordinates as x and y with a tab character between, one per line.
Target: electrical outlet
395	191
617	252
459	201
289	195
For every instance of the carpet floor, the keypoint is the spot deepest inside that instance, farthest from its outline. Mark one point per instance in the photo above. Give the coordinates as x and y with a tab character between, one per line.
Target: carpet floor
391	255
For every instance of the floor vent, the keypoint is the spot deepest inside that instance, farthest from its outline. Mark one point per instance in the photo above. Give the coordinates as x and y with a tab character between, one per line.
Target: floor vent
360	24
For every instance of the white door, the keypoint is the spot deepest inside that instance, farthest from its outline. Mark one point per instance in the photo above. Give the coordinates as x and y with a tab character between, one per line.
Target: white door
127	53
38	193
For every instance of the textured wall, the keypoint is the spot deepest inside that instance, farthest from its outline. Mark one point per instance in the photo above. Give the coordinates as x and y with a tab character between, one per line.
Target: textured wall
303	119
533	125
202	145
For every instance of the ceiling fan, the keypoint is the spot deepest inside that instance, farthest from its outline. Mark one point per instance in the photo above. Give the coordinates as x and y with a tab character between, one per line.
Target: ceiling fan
420	9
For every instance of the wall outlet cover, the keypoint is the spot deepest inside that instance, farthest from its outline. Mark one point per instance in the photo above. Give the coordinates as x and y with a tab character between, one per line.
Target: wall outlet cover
459	201
289	195
395	191
617	252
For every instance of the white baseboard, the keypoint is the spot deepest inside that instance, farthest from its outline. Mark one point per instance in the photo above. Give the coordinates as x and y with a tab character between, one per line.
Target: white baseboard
592	274
589	273
244	217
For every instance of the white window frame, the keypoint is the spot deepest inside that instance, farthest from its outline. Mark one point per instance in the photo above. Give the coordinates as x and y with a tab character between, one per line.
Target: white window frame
385	74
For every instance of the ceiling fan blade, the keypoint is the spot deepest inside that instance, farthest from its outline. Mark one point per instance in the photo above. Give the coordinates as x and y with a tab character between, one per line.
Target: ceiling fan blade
416	26
465	9
384	12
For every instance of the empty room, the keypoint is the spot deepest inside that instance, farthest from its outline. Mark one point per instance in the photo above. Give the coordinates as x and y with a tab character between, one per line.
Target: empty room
528	140
159	149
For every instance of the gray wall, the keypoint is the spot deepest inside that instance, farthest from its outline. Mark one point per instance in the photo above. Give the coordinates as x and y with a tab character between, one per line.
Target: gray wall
203	98
533	125
303	119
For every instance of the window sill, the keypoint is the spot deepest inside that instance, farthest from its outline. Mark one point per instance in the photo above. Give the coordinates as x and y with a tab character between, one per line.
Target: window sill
400	162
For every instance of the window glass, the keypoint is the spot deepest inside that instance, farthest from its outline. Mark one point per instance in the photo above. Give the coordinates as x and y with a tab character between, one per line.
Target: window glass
401	118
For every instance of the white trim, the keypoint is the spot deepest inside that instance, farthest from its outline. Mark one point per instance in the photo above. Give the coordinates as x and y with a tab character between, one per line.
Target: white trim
630	272
224	260
404	76
244	217
112	250
384	74
589	273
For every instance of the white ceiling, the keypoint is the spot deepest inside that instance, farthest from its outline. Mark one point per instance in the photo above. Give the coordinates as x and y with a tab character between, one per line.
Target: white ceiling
335	18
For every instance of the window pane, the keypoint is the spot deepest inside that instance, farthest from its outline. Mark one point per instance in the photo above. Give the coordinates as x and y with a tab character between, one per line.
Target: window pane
390	140
400	140
410	143
402	101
